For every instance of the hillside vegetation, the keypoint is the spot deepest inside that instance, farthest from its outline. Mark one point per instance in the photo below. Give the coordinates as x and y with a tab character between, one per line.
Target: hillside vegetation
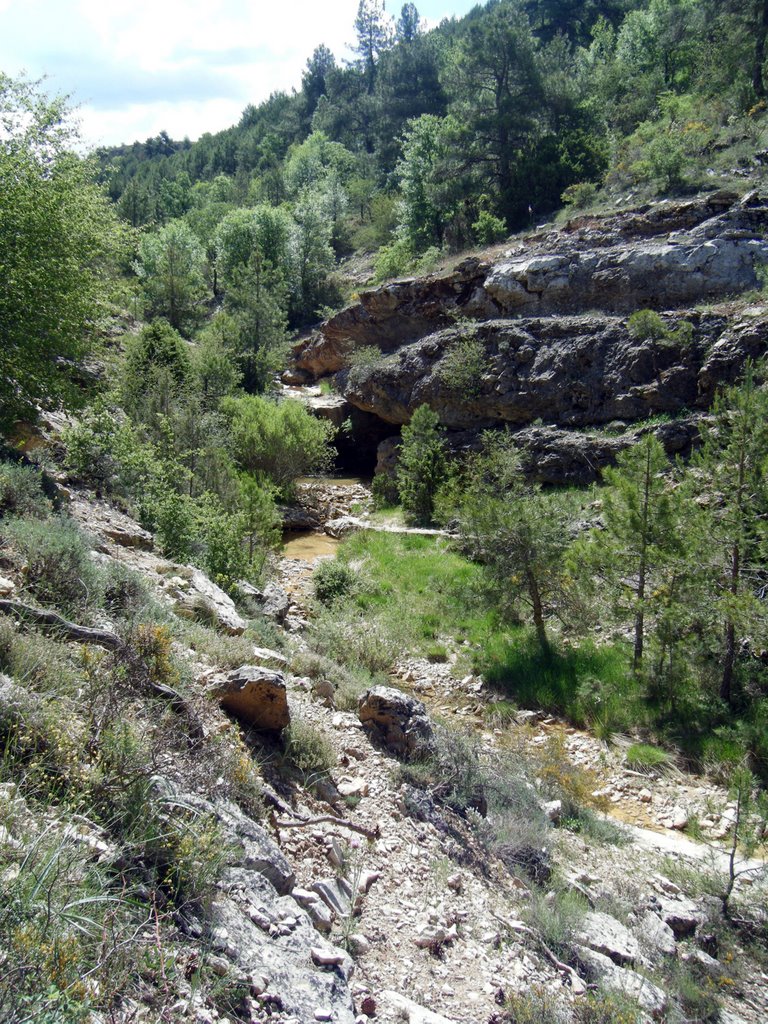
197	734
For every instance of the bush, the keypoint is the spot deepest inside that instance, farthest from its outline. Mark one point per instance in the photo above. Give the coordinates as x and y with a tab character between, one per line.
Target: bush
580	195
280	440
393	260
21	492
462	367
647	325
641	757
354	640
125	592
488	228
333	580
308	750
57	566
422	466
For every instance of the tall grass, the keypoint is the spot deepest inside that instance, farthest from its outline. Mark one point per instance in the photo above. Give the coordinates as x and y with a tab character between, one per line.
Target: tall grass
591	685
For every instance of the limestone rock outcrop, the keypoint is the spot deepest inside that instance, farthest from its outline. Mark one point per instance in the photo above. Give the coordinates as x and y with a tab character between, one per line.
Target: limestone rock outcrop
400	722
255	695
548	324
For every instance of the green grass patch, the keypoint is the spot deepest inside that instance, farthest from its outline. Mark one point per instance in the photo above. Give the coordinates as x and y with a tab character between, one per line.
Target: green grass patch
421	588
591	685
642	757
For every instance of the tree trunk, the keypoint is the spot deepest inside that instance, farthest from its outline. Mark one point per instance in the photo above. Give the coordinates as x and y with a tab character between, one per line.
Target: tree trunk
538	613
761	32
729	660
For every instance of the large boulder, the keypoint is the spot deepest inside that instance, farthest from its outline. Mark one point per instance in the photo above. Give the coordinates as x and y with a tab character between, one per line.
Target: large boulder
604	934
197	597
398	721
264	933
256	695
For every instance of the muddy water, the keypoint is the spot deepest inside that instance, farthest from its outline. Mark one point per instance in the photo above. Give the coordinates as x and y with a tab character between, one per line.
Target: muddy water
308	545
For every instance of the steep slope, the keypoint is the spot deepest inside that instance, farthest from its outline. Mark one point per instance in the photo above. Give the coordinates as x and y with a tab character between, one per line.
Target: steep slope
540	332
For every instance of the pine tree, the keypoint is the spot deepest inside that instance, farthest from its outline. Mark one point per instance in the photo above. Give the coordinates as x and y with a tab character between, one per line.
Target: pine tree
421	467
732	467
641	538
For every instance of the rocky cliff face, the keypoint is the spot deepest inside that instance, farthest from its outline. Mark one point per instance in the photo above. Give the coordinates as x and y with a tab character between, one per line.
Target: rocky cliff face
548	323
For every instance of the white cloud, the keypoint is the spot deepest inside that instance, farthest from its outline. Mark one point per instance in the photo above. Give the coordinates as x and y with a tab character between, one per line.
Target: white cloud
187	66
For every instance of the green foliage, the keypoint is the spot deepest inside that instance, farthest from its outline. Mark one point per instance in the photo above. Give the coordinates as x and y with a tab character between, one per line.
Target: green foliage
395	259
488	228
170	268
643	537
463	366
589	684
156	369
58	239
58	569
280	440
580	195
732	466
421	466
506	525
647	325
308	750
21	492
333	580
644	758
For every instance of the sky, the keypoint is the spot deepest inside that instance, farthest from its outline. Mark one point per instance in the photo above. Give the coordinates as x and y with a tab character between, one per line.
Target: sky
136	67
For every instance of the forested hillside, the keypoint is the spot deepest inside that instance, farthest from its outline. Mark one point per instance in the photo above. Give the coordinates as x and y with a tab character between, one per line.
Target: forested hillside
457	135
282	745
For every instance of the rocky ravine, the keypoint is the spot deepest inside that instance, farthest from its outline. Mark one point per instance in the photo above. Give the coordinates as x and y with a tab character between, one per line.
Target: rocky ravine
550	316
439	932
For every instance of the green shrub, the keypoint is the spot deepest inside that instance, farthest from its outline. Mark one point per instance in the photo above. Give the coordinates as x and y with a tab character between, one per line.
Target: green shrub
641	757
21	492
488	228
333	580
647	325
308	750
393	260
422	466
580	195
348	684
125	592
279	440
462	367
352	639
556	916
58	570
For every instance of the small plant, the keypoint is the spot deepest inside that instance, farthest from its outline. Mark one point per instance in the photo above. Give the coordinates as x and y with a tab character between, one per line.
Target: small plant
488	228
56	563
647	325
580	195
21	492
641	757
333	580
308	750
462	367
501	713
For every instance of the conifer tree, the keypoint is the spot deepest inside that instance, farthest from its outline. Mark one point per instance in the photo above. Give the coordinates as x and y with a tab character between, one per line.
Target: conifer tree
732	469
421	466
641	537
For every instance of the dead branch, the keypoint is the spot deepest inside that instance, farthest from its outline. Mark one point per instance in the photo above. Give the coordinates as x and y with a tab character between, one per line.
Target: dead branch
329	819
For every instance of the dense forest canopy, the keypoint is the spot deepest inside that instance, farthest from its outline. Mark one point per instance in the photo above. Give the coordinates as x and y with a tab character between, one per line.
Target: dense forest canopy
492	115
